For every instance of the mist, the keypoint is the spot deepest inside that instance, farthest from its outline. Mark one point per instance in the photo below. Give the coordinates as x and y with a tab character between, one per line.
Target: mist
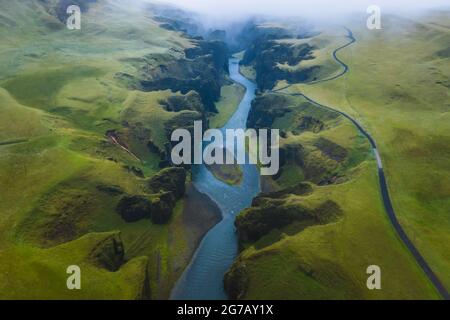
232	10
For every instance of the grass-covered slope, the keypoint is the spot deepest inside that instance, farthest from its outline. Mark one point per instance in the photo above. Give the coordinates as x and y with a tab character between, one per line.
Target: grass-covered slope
321	237
289	52
231	97
77	135
301	253
43	271
398	88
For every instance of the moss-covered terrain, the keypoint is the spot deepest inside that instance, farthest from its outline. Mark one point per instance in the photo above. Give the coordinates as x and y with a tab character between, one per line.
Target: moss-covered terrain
321	222
85	174
399	91
86	177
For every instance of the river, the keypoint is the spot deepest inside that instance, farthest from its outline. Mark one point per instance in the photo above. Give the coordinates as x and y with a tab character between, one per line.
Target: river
203	278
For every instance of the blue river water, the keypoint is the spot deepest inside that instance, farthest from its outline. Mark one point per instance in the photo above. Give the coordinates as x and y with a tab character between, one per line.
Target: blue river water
203	278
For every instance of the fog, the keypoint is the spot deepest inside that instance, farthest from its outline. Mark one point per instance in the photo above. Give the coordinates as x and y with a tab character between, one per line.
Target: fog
229	10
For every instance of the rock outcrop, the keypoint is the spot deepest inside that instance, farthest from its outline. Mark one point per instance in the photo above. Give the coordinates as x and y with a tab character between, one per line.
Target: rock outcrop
162	206
236	281
265	53
109	253
266	109
134	208
157	207
299	189
266	215
320	161
191	102
202	69
270	214
171	180
165	188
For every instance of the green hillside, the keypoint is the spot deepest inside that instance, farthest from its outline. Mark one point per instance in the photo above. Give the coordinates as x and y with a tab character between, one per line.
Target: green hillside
78	134
399	92
408	116
86	177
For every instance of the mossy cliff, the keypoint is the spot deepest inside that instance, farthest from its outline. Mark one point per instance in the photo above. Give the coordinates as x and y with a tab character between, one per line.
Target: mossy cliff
88	116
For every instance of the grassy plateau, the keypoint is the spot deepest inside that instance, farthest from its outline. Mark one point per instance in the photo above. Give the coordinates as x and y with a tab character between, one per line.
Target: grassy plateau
397	88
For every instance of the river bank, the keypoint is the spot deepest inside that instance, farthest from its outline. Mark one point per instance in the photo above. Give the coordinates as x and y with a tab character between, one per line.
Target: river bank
203	278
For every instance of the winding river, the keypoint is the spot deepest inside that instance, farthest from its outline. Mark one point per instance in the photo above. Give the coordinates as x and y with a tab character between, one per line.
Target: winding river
203	278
